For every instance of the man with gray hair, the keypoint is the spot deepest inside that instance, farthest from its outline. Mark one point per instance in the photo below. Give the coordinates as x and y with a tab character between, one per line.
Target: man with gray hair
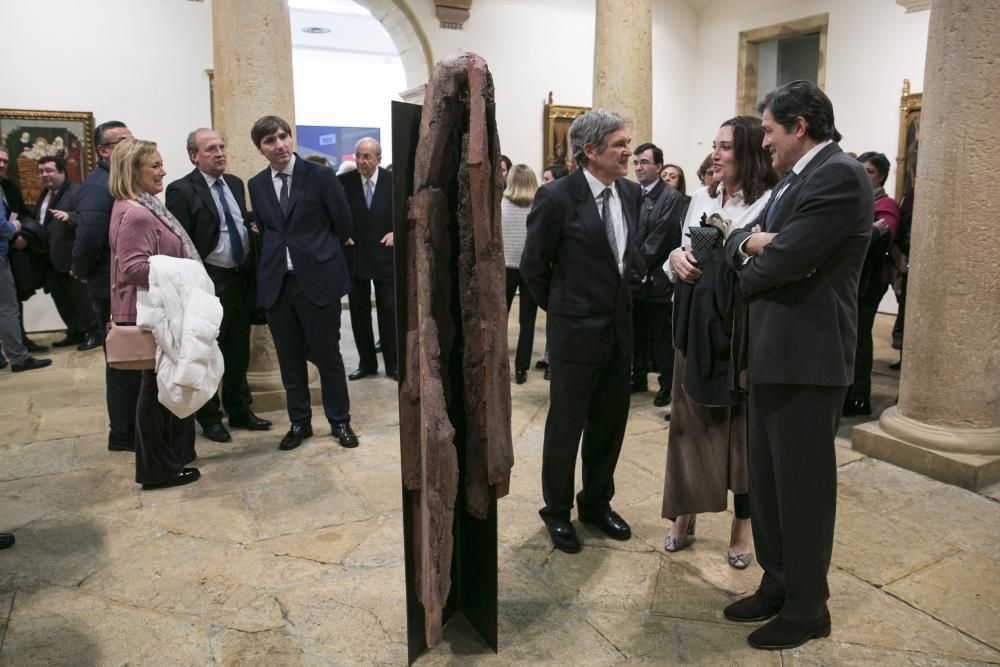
577	258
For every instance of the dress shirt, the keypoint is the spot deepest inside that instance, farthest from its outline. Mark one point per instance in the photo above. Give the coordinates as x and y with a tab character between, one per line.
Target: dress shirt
222	255
646	188
373	179
276	180
617	218
45	207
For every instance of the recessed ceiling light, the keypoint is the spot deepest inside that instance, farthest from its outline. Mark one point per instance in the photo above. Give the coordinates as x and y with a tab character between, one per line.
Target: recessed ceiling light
315	30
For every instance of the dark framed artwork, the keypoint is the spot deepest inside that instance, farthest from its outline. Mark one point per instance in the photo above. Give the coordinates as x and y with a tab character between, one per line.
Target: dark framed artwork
909	139
556	120
31	135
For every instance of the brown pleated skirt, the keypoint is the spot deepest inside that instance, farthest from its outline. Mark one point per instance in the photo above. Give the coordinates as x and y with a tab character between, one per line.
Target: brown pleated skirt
706	452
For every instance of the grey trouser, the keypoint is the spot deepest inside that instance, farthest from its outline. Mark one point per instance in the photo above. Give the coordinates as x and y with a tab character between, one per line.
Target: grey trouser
10	317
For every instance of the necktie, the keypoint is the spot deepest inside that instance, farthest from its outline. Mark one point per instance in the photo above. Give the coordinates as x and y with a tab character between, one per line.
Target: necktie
609	228
235	242
283	198
779	191
369	190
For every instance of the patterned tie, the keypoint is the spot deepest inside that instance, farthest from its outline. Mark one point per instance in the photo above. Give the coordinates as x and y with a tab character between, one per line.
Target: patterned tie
779	190
369	190
235	242
609	228
283	198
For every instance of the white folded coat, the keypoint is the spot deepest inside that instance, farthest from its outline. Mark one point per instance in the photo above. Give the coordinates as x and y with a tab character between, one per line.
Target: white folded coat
182	311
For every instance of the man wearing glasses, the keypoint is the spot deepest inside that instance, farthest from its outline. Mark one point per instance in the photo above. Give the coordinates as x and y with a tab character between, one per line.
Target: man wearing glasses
92	265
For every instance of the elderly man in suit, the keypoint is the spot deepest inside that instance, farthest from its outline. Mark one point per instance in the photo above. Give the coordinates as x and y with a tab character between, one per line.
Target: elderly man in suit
211	206
798	265
304	221
369	258
577	259
56	212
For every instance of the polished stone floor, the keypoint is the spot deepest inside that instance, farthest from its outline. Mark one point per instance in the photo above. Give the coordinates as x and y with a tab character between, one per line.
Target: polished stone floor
296	558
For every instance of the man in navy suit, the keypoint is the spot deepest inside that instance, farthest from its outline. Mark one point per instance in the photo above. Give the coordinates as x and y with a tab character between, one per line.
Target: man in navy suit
304	221
578	256
369	258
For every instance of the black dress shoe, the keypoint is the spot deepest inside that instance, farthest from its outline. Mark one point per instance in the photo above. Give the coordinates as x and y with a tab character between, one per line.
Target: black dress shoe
780	634
69	339
249	421
639	388
6	540
33	347
216	432
564	537
541	364
90	341
30	364
295	436
662	397
520	377
752	609
609	523
344	434
853	407
185	476
115	447
361	373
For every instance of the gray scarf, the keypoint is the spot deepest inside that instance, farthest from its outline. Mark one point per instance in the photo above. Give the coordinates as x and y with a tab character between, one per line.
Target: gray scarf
153	205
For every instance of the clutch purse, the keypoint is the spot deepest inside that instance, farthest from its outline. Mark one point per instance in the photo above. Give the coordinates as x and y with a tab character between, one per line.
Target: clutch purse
130	348
712	233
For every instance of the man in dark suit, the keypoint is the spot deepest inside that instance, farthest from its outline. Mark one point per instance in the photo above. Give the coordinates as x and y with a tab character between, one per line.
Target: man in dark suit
304	221
211	205
798	265
657	233
92	265
56	212
369	258
577	258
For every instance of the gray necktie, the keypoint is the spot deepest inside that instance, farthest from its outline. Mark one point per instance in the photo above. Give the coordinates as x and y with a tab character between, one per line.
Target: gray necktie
608	225
780	190
235	242
369	190
283	198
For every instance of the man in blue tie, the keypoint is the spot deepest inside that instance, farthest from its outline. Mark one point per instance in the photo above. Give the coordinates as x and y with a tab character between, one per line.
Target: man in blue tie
369	258
211	205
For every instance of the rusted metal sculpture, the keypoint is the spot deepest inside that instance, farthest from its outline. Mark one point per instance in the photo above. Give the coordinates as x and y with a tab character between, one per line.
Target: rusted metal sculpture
454	396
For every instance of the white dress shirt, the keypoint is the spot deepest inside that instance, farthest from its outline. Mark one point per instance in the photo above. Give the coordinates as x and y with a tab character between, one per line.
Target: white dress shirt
373	179
222	254
45	207
276	180
617	218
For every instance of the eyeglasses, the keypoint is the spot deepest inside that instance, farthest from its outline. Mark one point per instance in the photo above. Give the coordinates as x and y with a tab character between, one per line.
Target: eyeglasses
113	143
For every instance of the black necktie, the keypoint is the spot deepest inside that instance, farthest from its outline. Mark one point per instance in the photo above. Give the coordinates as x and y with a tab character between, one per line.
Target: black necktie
608	226
235	242
779	191
283	198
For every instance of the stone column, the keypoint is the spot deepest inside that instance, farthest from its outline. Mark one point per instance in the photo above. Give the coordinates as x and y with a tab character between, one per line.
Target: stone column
623	63
947	423
253	78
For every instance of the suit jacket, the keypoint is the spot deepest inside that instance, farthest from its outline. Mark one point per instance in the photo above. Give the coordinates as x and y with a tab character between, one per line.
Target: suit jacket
91	252
803	288
658	232
314	231
60	235
192	203
568	266
368	259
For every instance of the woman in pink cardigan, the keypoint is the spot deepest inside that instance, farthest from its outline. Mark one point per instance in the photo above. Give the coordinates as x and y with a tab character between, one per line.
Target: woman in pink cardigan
141	227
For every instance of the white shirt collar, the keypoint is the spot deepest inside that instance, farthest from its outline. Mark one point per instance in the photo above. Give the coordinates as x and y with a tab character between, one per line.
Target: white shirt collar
209	179
596	187
373	179
807	158
287	170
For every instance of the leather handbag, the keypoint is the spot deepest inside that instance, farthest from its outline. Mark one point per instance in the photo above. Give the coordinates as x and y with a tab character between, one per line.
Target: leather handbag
130	348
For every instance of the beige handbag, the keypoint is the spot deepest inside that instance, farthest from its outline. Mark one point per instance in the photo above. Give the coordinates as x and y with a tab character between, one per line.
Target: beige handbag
130	348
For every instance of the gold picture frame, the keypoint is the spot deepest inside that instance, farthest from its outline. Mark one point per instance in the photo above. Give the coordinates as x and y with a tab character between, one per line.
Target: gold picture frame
30	135
556	119
910	105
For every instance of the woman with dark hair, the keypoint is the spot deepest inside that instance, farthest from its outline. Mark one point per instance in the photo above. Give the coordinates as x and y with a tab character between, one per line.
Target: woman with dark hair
673	175
505	166
873	283
707	440
706	172
514	209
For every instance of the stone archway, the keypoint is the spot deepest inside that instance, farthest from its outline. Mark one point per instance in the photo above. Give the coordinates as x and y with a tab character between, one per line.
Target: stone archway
411	42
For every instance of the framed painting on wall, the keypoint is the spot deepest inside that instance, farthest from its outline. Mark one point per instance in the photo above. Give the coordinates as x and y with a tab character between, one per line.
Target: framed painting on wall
909	139
32	135
555	132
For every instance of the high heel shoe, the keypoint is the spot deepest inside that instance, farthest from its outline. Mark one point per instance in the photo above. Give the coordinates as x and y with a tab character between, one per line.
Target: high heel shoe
739	561
671	544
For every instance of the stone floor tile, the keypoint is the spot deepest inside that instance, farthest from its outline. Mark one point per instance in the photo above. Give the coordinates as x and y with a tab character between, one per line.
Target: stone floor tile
681	592
86	491
224	517
293	506
232	648
380	489
37	458
957	516
325	545
881	486
383	547
65	627
962	591
604	578
831	652
6	603
68	423
992	491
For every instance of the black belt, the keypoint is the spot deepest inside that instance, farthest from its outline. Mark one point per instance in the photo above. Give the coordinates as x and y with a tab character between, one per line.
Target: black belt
223	269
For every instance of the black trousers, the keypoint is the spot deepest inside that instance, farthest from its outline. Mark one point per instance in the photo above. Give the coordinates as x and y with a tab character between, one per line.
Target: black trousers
303	331
861	388
164	442
652	337
73	304
793	492
232	287
527	313
360	302
121	387
591	399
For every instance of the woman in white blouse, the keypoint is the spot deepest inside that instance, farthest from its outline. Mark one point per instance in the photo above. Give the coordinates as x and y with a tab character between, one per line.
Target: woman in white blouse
707	444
